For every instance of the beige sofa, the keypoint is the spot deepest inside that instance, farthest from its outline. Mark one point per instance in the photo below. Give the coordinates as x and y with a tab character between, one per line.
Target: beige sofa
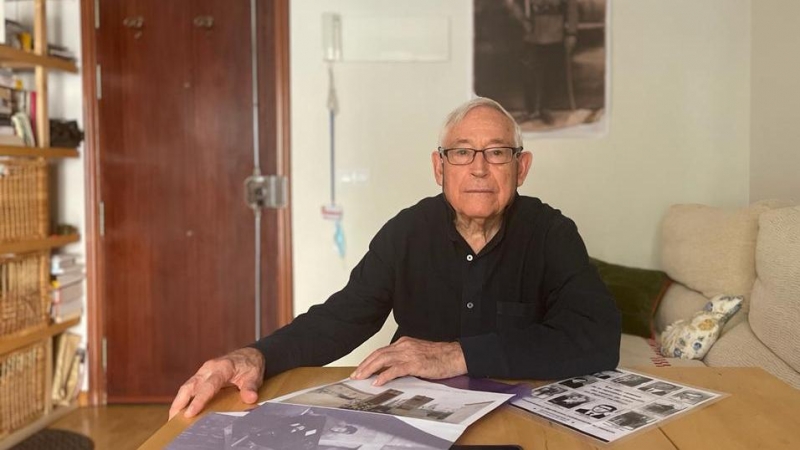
753	251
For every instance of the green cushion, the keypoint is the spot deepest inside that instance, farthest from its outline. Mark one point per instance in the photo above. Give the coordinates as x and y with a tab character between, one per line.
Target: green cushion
637	292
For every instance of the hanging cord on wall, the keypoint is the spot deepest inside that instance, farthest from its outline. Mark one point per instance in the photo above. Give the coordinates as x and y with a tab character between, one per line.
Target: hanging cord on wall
333	211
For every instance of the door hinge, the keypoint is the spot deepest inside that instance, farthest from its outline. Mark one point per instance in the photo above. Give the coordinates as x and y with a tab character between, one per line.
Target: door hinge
101	213
96	14
266	191
104	355
98	80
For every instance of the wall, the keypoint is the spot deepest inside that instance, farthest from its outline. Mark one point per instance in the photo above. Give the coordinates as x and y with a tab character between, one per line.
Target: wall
679	132
387	127
775	69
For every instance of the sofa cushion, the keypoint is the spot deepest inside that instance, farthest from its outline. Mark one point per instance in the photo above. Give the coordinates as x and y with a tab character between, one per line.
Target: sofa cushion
637	292
679	302
692	338
711	250
741	348
775	301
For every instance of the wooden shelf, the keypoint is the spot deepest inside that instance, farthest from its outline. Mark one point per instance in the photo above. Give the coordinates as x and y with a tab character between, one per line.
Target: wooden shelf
49	152
19	59
19	340
42	64
23	433
40	244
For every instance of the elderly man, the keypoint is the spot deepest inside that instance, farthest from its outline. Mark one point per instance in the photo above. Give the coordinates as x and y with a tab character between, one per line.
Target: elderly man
482	281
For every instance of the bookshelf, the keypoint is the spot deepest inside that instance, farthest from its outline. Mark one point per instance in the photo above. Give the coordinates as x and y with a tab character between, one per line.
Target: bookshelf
20	59
42	336
37	152
39	244
15	341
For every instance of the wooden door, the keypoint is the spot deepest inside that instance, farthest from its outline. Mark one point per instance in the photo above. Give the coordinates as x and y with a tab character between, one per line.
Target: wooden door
175	139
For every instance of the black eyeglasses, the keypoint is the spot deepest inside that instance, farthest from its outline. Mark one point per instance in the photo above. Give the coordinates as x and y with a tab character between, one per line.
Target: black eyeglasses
492	155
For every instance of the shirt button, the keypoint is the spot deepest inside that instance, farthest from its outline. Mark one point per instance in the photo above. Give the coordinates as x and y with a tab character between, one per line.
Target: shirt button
469	257
470	305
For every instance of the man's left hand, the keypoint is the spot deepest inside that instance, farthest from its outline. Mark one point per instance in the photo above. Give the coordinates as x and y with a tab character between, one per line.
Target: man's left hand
414	357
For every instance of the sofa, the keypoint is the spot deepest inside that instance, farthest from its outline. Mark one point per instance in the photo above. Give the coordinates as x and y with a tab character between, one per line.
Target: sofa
753	252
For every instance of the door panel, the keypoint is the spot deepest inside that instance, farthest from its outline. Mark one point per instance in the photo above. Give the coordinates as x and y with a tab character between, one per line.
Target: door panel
176	143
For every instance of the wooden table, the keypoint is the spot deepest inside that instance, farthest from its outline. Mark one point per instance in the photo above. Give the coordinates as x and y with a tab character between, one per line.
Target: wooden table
761	412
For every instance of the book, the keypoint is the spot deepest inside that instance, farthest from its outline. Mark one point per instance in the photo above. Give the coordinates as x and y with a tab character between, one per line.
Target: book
69	292
6	78
63	260
66	374
11	140
63	312
22	126
66	270
66	278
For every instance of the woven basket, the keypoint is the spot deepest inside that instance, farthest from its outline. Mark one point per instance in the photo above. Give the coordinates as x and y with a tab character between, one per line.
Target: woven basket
22	385
23	199
24	292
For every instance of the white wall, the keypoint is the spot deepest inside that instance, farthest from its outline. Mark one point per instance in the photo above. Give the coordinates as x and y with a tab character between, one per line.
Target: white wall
775	71
679	132
387	127
679	127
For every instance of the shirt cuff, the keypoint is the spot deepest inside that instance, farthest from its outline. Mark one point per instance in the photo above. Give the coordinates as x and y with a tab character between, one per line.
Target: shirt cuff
484	356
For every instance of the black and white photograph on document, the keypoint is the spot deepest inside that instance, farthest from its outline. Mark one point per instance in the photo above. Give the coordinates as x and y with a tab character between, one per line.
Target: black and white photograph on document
277	426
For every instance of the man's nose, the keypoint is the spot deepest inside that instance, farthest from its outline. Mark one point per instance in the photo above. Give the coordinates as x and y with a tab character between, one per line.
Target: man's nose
479	166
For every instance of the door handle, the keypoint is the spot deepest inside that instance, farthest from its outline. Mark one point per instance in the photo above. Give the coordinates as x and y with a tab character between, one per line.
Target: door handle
135	22
206	22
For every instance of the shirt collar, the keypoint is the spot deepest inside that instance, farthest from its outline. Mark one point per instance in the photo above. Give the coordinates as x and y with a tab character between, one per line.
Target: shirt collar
455	236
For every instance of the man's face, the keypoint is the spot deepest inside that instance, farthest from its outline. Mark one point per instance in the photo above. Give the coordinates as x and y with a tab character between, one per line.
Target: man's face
603	409
480	190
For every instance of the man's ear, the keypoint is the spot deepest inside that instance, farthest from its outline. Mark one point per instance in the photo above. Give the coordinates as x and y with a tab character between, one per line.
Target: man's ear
438	167
524	161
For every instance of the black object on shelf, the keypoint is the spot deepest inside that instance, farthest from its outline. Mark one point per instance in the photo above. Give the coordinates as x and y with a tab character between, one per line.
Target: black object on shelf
65	133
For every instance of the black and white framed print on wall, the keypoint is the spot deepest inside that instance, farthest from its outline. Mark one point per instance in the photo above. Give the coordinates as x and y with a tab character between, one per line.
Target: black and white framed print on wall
546	62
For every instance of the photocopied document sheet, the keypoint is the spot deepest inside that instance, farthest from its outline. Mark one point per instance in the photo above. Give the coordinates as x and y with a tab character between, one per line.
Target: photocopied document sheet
613	404
404	413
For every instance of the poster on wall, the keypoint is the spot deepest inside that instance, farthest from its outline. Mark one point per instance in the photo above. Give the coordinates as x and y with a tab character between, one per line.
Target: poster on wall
546	61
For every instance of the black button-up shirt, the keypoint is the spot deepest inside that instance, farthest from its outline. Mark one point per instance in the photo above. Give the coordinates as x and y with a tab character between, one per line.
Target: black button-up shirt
528	305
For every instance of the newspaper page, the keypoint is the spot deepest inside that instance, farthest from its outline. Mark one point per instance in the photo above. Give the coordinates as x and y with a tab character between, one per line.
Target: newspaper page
348	414
613	404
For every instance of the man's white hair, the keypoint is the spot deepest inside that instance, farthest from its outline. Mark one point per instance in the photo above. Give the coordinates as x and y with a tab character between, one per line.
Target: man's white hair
458	114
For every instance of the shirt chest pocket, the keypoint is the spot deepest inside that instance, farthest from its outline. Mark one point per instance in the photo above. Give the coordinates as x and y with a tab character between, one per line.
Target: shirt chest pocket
515	315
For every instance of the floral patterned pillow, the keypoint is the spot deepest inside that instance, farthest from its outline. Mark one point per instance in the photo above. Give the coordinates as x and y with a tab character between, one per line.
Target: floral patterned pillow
691	339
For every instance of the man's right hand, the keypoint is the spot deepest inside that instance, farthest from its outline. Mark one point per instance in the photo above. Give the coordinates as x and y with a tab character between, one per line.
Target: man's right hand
243	368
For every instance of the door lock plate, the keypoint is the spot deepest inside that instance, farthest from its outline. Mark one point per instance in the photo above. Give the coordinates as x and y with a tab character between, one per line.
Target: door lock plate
266	191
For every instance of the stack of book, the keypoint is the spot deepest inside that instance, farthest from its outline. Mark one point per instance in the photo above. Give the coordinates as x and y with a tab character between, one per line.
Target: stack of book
67	280
17	106
59	51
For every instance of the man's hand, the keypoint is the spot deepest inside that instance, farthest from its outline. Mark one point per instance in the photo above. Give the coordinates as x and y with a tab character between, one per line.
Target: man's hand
409	356
243	368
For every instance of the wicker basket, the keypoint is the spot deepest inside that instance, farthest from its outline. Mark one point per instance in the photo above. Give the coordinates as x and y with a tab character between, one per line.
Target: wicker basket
22	385
23	199
24	292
